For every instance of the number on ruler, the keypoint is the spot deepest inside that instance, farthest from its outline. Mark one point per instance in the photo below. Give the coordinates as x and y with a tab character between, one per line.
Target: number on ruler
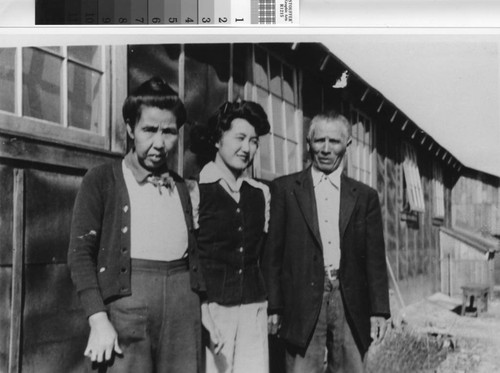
239	19
106	20
189	20
172	20
222	19
206	20
140	20
156	20
122	20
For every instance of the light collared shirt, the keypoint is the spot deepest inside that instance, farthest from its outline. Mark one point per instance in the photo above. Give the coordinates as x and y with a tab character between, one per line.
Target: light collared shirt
327	193
212	173
157	225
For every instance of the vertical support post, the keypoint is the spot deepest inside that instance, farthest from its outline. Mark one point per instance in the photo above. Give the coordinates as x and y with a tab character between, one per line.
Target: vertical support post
182	95
17	273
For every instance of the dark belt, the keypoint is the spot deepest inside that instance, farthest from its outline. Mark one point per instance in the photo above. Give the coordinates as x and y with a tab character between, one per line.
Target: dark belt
331	273
173	265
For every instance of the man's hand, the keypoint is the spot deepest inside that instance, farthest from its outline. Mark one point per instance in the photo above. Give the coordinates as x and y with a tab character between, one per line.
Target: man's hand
273	324
209	324
378	328
103	339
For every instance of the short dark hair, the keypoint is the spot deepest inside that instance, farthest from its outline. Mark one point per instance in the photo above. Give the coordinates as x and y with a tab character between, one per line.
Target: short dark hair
154	92
221	120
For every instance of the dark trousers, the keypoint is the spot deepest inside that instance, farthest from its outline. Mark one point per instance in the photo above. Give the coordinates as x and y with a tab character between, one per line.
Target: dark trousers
158	326
332	348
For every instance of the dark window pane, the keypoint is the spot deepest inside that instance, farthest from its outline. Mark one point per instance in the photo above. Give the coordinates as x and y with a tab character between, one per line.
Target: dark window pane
288	84
7	84
90	55
265	153
291	128
279	155
260	68
275	76
84	98
146	61
277	118
292	156
41	85
242	72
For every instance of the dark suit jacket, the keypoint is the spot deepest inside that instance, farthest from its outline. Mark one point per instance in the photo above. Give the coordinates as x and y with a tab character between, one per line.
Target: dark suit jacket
293	265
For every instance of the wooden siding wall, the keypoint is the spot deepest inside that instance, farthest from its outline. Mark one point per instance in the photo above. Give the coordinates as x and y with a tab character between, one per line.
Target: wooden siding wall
476	203
412	247
42	325
462	263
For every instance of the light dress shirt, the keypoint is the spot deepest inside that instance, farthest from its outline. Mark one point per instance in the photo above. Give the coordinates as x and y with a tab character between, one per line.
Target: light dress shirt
212	173
327	193
157	225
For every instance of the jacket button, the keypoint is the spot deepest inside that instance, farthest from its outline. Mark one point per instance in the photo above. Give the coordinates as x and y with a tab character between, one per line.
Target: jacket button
241	249
124	250
240	271
125	208
125	229
102	269
238	210
312	283
240	229
123	289
123	270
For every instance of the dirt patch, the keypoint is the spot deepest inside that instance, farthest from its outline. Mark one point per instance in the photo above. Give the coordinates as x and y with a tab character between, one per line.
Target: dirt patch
429	337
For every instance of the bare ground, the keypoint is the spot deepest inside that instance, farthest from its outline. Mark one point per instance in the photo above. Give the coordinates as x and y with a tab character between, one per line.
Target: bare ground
429	337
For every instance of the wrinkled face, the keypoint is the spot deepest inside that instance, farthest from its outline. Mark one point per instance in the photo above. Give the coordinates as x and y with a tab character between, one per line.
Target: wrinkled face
155	135
328	145
237	146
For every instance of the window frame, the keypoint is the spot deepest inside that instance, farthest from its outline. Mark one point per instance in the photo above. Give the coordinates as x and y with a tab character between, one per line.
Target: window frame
413	200
354	171
18	124
438	203
283	133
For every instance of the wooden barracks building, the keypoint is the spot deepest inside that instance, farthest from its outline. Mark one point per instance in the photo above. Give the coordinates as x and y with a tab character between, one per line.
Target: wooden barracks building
60	114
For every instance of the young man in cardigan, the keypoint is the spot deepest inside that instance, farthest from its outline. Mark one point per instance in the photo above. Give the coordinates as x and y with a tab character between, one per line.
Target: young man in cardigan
132	251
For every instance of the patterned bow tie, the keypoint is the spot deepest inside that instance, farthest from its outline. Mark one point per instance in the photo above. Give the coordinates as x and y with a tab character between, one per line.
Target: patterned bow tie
162	181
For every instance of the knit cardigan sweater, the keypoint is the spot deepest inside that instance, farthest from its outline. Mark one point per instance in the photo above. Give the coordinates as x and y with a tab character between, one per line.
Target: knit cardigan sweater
99	250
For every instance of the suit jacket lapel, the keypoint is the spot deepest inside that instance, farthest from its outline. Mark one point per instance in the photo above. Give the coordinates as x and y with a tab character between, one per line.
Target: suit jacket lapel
304	192
348	196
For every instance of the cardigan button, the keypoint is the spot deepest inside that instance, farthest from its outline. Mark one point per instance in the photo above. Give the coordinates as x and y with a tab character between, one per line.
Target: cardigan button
240	271
125	208
238	210
240	229
123	270
125	229
241	249
102	269
124	250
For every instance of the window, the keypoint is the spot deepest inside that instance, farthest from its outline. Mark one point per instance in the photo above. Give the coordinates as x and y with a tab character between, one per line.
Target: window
438	187
414	196
275	88
45	88
360	151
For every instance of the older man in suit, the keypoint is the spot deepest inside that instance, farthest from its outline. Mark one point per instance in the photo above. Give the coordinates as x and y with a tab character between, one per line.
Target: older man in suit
324	259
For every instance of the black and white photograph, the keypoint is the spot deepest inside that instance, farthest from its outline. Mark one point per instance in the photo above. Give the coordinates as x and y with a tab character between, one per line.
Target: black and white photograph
247	200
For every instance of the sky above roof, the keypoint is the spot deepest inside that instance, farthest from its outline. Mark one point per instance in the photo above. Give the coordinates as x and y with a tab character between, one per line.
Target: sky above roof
448	85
